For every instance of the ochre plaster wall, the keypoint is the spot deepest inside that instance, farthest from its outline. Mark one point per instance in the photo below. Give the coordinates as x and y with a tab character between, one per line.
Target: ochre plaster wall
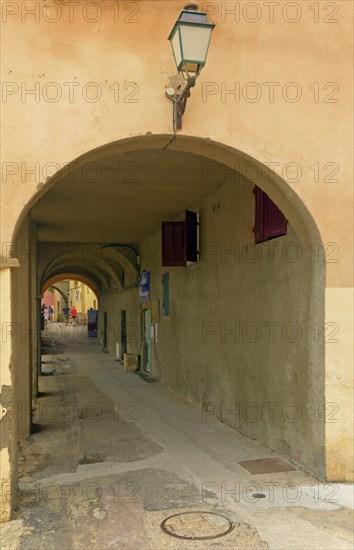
339	384
8	422
242	334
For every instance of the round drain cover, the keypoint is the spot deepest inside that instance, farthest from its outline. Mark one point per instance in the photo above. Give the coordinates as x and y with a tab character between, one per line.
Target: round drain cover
197	525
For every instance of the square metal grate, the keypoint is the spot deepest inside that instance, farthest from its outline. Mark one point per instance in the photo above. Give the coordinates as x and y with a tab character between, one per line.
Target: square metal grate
266	466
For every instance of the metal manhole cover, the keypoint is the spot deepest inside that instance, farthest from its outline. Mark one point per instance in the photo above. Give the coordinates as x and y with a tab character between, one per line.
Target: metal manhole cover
197	525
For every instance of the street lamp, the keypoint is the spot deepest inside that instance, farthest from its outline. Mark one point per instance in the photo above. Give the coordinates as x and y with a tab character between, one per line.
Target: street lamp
190	38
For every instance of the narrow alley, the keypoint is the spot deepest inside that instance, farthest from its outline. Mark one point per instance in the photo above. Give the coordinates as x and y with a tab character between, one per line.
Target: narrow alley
115	453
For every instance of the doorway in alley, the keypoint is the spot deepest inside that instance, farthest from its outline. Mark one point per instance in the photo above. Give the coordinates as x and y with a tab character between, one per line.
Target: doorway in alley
147	340
105	323
123	332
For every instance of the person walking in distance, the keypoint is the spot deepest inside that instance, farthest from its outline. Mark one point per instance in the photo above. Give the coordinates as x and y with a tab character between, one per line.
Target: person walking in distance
66	312
46	313
50	314
73	314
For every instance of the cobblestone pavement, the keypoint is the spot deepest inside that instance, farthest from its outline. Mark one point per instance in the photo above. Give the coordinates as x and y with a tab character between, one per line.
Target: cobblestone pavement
112	457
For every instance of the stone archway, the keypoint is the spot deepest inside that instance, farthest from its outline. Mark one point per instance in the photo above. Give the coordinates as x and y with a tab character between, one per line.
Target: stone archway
216	160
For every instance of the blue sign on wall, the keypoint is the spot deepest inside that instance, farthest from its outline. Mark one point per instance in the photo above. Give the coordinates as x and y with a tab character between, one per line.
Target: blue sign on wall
92	317
144	286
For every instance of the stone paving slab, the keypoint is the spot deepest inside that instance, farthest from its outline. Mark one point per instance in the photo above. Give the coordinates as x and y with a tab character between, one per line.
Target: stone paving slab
114	457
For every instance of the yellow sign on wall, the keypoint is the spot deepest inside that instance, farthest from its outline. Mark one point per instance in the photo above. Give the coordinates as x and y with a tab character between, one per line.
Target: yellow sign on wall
155	311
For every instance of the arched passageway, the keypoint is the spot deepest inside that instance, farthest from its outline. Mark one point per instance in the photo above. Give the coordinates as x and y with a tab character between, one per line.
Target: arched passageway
69	290
239	334
72	276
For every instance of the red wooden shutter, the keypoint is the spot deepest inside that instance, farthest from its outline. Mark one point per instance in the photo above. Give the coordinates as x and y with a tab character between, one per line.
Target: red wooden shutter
275	223
270	221
259	222
173	244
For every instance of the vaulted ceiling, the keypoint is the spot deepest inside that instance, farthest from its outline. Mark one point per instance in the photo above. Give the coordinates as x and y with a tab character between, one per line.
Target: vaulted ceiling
124	198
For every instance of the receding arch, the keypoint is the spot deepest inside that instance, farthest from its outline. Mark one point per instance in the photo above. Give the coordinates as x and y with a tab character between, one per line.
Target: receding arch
106	267
69	275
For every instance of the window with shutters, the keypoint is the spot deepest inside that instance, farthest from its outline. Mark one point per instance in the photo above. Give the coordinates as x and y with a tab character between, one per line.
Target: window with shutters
180	241
173	244
270	222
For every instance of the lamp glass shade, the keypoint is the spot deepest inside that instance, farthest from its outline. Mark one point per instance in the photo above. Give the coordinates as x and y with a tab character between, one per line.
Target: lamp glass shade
190	40
176	48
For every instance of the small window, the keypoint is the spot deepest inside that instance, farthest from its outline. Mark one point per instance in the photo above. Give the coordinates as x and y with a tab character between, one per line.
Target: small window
270	221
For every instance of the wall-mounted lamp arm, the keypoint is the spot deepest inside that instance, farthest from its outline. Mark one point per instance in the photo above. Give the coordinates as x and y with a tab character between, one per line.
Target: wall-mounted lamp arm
180	101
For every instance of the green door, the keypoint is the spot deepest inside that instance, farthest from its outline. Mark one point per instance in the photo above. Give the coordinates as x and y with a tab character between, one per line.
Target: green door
147	339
